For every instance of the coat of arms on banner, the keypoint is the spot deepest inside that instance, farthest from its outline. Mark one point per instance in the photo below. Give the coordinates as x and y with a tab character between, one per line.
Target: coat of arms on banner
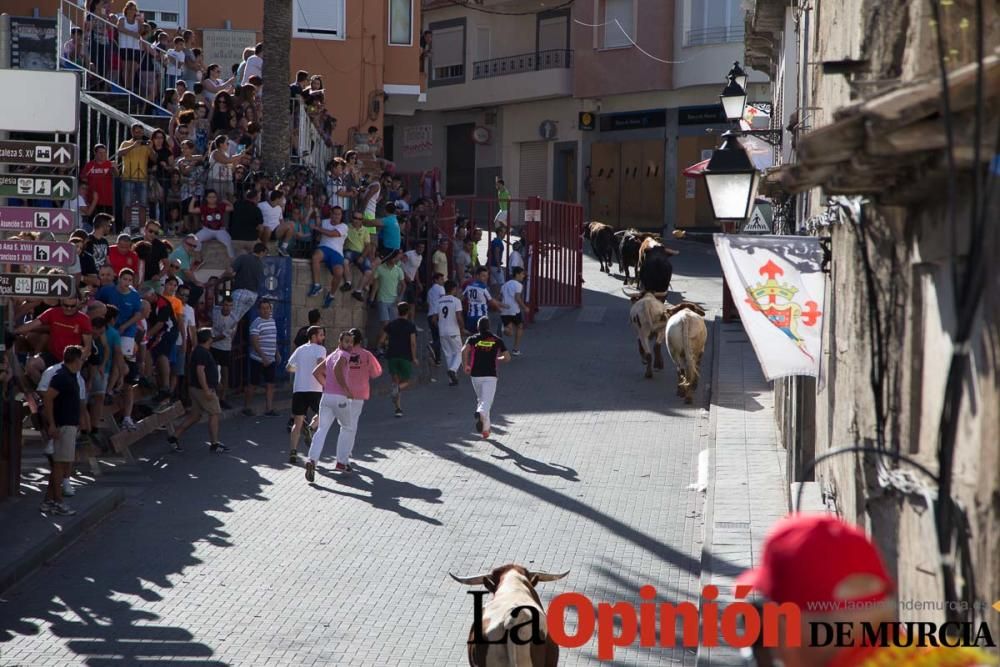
778	287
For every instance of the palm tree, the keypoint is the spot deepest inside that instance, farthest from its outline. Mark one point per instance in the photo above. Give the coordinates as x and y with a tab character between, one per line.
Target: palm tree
277	49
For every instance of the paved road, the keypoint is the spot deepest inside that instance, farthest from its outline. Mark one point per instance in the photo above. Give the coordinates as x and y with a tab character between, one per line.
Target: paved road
235	560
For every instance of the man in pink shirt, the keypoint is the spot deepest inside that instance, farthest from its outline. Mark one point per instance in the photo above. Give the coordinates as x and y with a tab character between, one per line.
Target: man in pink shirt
345	375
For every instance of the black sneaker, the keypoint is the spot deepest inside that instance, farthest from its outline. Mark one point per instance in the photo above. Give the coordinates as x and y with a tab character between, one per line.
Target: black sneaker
452	379
293	456
399	412
218	447
346	287
174	443
310	471
358	296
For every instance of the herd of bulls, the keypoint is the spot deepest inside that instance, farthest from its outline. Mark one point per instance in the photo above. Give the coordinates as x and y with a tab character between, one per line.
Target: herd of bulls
681	327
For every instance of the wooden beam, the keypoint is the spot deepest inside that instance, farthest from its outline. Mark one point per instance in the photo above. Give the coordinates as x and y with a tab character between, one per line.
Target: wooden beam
125	439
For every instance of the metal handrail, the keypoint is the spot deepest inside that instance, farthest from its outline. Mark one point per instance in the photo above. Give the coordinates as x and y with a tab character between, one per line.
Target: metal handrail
522	62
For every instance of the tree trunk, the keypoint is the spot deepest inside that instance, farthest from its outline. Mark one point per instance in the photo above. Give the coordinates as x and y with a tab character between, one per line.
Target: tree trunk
275	108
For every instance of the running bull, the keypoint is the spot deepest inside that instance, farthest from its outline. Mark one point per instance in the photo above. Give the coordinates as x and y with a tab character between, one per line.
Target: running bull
649	317
602	242
686	335
653	266
629	241
514	608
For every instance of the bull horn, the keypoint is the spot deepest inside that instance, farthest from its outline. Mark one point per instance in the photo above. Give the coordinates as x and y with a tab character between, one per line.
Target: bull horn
469	581
548	576
660	296
679	233
629	293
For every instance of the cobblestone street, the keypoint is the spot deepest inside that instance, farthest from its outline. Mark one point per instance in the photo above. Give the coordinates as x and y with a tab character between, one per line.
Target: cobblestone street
234	559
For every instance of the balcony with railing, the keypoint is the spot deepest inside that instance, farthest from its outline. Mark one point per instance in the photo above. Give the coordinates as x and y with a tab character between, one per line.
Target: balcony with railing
526	76
715	35
522	62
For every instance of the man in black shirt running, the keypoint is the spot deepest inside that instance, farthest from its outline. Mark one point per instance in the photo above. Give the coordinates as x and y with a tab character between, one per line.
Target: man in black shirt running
479	358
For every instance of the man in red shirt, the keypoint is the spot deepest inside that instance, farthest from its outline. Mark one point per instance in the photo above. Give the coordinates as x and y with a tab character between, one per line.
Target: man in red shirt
121	256
100	175
66	326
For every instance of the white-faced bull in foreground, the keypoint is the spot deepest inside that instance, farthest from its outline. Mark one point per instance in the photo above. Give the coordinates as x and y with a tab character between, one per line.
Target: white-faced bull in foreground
510	629
686	336
649	318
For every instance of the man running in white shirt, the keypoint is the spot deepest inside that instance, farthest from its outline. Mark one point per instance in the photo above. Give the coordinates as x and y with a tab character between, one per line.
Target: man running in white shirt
512	307
448	318
434	294
477	296
306	390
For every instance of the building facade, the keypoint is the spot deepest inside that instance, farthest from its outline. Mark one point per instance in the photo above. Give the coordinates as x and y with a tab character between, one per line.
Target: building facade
601	102
911	363
367	52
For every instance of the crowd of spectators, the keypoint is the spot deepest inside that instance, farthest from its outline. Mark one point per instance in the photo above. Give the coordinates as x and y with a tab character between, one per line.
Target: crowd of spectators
137	333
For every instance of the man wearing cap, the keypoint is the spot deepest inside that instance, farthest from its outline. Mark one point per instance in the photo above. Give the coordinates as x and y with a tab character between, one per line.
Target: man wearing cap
833	573
122	256
185	253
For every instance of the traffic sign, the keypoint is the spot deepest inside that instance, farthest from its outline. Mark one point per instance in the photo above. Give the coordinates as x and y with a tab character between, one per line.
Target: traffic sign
758	223
36	252
14	284
532	215
37	186
26	218
38	153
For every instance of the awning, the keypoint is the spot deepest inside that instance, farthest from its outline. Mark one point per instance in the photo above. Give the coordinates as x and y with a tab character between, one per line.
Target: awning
696	170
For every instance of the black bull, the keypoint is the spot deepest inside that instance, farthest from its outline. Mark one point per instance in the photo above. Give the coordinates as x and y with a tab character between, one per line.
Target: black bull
656	270
602	242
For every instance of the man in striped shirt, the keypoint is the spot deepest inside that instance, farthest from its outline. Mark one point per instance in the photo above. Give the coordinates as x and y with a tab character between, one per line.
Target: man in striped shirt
264	359
478	299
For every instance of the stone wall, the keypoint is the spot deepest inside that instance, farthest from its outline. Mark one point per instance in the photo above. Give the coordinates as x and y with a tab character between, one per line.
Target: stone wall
912	261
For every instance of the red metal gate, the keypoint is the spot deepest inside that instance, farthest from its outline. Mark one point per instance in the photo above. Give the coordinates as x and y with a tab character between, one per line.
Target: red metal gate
552	242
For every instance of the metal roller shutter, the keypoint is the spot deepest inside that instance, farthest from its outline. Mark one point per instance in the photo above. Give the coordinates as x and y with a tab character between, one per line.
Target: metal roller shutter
534	170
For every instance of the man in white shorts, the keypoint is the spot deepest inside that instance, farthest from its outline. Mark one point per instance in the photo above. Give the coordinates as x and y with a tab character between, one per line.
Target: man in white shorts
448	317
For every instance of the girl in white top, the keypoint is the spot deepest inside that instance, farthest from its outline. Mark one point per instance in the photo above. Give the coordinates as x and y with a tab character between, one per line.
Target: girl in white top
220	167
129	49
212	83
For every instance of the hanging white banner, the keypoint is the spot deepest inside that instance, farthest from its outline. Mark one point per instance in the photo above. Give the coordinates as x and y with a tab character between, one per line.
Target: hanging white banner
778	287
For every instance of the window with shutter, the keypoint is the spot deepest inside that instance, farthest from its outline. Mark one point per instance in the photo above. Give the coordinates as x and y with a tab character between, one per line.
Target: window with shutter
533	164
619	23
318	19
448	54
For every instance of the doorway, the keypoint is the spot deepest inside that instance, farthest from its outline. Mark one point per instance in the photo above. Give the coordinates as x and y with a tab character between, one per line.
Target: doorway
460	160
564	172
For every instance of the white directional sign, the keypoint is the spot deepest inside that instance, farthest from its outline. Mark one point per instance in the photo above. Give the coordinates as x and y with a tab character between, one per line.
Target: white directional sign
33	252
758	223
37	153
24	218
56	110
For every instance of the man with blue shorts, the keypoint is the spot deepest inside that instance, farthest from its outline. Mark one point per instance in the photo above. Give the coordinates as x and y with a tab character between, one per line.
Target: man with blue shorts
333	233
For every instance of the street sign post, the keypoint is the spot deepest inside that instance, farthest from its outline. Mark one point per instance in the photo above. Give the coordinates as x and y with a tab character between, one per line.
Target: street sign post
37	186
36	252
38	153
26	218
14	284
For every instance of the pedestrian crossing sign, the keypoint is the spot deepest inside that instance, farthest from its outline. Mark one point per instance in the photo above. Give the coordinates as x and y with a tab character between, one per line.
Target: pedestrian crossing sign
758	223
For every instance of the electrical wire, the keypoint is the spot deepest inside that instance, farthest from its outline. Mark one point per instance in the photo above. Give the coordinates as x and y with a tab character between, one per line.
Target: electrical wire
632	41
466	5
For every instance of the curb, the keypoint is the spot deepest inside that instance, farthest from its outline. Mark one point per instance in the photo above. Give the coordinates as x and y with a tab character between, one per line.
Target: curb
47	548
701	659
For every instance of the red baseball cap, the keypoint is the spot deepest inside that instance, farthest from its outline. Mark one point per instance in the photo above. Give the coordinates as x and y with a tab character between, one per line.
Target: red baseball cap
819	563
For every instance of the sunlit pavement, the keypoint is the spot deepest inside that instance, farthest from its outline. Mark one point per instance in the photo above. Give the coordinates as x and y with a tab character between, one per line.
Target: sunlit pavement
235	559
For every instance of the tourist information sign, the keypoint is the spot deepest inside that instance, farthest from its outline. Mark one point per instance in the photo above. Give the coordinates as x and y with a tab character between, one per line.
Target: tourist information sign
13	251
27	218
14	284
38	153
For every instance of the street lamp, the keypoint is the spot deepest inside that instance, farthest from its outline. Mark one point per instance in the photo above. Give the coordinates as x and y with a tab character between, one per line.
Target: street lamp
734	99
738	75
731	179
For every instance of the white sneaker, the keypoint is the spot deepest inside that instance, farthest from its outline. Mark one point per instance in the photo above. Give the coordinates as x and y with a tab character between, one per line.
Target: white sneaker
68	489
128	424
